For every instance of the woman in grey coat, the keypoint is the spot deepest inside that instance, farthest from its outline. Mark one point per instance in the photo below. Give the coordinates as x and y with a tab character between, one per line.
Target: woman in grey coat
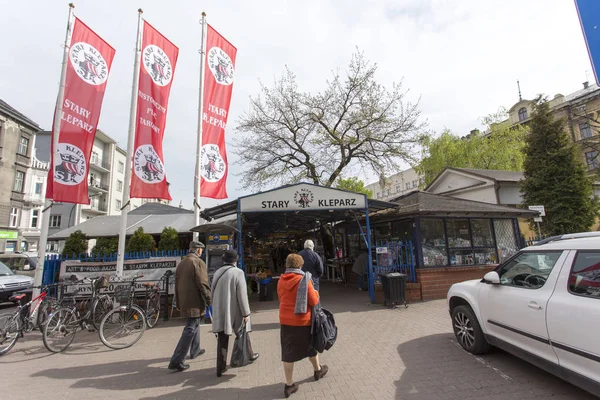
230	307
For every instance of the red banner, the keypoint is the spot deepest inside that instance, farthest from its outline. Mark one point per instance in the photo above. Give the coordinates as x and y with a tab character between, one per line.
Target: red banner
90	59
218	85
157	66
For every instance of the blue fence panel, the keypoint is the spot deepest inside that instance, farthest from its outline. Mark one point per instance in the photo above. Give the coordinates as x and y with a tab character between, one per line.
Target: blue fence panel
52	262
398	257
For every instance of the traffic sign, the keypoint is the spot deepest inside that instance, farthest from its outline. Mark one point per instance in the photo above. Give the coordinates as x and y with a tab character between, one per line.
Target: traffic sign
589	17
540	209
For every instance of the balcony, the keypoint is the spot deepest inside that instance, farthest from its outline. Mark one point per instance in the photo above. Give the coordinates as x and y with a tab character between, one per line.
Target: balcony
95	208
99	165
97	186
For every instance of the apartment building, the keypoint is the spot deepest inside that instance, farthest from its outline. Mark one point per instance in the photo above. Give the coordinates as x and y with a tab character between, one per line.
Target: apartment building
17	136
396	185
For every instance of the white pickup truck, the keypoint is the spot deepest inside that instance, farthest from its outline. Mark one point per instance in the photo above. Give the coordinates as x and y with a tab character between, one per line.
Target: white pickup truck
542	305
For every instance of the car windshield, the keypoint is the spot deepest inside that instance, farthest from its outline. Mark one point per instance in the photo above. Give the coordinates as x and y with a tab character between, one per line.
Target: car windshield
4	270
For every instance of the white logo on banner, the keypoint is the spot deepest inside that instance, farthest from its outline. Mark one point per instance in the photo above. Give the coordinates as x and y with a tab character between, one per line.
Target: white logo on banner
157	64
213	165
69	165
147	165
221	66
88	63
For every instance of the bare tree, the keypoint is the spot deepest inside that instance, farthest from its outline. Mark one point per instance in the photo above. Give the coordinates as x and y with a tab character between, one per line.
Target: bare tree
288	136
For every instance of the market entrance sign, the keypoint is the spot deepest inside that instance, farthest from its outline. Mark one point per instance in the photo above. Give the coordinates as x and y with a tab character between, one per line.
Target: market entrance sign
302	197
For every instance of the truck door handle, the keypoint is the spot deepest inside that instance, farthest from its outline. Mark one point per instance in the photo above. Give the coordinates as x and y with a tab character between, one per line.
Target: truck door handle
534	306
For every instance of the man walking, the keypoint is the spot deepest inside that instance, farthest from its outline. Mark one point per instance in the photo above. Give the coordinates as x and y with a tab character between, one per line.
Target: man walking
193	296
230	308
312	262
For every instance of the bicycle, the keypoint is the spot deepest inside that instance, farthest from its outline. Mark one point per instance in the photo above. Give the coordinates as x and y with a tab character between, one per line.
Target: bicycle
63	324
152	300
123	320
23	320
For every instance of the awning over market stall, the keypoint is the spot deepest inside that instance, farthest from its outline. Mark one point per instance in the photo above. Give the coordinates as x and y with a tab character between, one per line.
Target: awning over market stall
300	207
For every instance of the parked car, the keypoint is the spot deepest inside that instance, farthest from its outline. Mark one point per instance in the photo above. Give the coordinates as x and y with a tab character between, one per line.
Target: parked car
20	263
11	282
542	305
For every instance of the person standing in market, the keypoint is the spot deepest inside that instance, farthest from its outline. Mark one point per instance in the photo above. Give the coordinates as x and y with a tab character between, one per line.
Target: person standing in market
312	262
230	309
192	292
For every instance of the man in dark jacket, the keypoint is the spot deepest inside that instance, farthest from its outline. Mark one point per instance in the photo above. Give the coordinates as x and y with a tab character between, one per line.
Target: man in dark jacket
312	262
192	291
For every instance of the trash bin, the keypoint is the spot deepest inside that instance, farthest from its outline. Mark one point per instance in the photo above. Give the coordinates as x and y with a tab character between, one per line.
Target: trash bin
265	291
394	289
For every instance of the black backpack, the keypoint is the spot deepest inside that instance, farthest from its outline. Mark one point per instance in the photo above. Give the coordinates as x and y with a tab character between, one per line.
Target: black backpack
324	331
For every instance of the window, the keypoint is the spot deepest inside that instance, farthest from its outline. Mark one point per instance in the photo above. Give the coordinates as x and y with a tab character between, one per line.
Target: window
23	146
38	187
585	275
591	158
118	205
119	186
415	184
522	114
407	186
55	221
14	217
378	195
95	157
121	167
506	240
585	130
35	216
434	242
398	188
529	269
19	179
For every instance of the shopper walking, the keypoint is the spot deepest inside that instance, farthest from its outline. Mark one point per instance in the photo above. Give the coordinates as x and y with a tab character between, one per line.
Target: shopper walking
312	262
297	296
230	307
192	292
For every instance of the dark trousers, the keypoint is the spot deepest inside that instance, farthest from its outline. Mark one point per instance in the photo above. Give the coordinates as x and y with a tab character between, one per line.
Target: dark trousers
189	341
223	348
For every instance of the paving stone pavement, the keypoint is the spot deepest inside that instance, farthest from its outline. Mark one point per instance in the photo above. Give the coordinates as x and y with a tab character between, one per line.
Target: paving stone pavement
380	354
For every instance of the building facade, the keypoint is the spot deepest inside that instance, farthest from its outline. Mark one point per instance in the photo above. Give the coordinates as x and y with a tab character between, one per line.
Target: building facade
581	112
399	184
17	136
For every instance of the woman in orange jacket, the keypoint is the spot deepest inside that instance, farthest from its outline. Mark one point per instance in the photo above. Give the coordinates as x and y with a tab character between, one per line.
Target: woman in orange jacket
297	296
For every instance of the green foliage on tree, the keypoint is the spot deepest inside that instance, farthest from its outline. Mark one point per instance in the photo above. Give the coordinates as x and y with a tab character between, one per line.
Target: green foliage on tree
556	176
140	241
75	244
169	239
353	184
106	245
502	148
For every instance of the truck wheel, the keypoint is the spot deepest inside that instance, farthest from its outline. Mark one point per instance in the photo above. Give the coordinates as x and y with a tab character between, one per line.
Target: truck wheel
468	331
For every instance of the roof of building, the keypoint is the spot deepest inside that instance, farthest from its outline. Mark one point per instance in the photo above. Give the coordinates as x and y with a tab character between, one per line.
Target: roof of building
495	174
153	217
13	113
423	203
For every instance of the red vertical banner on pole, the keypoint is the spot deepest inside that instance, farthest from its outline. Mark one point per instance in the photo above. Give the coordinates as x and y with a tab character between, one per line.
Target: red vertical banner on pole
157	67
218	86
90	59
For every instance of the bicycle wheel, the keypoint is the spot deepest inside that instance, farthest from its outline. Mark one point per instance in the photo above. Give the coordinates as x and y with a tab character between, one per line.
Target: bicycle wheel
101	307
60	330
10	329
46	308
122	327
153	310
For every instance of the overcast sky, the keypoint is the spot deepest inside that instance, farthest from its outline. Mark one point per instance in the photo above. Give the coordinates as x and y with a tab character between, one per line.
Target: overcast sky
461	58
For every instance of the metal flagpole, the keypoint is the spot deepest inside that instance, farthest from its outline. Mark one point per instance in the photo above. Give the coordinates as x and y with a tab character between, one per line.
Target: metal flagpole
132	124
198	172
39	272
